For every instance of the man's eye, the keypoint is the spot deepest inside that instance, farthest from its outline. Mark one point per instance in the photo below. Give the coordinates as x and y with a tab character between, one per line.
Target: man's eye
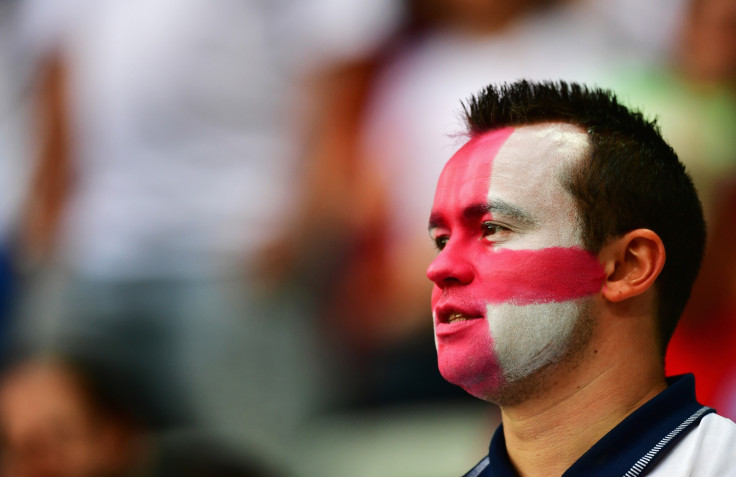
490	229
441	241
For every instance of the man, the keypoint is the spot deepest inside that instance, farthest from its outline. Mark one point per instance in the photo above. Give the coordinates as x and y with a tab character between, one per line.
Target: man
64	416
58	420
569	237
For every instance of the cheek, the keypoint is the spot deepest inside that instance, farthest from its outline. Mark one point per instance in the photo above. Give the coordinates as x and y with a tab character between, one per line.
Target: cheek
528	337
524	277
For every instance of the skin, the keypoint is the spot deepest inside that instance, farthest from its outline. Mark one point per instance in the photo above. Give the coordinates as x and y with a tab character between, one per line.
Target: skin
50	428
509	262
566	359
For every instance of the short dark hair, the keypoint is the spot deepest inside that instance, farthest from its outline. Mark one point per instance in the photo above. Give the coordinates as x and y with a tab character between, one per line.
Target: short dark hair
631	179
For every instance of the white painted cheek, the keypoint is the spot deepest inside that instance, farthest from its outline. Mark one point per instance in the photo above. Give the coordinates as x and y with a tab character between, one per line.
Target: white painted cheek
530	336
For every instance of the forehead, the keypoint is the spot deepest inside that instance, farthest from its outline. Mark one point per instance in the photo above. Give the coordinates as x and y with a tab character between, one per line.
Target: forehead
521	166
534	157
513	156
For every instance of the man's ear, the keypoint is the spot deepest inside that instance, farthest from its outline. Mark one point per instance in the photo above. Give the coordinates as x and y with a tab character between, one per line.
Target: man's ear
632	263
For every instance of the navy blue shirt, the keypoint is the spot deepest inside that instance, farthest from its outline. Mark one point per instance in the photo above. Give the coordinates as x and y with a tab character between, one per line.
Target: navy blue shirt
631	448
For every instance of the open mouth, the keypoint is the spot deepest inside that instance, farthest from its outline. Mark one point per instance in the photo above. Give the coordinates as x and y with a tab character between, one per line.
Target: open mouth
456	316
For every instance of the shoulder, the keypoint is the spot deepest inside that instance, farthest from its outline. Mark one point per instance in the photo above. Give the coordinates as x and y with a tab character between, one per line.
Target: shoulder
707	450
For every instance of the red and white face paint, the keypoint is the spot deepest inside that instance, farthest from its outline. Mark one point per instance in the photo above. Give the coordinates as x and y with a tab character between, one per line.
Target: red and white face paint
511	271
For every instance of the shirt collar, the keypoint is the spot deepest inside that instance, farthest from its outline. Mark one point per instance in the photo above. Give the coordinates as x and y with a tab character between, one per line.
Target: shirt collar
655	426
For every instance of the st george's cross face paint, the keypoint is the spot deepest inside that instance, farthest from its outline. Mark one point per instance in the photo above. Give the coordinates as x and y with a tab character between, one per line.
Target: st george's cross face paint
511	271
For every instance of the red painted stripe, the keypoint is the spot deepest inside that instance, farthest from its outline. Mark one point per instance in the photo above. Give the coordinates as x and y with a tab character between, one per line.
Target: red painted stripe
554	274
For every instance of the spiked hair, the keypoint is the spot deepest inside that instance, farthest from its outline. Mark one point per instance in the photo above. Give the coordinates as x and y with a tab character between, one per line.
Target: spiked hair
631	178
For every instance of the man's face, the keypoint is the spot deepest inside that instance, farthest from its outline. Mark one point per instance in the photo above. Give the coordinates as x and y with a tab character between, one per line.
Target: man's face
49	428
511	275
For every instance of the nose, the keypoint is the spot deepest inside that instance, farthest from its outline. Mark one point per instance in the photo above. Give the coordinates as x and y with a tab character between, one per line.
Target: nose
450	268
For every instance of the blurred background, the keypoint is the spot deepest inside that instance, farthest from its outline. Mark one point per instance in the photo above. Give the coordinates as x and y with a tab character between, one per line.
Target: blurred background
213	220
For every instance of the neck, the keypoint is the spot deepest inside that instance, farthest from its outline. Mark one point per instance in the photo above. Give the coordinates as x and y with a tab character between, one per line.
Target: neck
547	433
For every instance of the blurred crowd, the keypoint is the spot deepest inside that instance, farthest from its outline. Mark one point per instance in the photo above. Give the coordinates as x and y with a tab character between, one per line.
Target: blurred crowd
213	216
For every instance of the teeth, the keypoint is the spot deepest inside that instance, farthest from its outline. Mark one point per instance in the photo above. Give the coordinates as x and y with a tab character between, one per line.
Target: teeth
456	317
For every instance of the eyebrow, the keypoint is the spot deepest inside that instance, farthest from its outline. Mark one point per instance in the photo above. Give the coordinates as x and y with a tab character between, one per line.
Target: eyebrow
502	208
496	206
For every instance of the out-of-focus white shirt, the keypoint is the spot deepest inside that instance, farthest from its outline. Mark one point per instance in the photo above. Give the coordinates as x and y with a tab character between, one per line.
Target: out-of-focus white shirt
186	126
15	149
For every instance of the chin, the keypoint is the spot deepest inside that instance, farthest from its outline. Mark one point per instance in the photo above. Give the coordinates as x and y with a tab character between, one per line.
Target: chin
487	389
